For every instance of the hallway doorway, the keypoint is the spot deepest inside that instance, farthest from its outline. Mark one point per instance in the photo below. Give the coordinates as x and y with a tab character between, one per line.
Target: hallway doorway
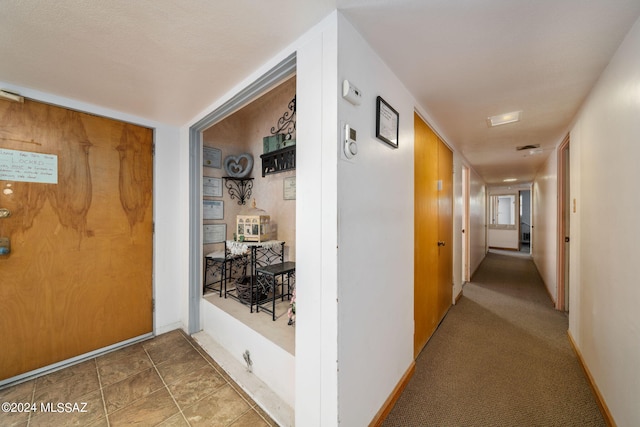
525	221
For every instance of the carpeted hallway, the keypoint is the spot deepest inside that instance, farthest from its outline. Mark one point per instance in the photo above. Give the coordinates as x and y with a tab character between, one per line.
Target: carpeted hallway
501	357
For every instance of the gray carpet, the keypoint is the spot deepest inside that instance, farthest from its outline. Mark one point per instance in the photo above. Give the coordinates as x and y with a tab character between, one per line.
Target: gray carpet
501	357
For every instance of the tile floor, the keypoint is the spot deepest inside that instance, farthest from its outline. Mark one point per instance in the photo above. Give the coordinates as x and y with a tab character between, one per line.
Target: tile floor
166	381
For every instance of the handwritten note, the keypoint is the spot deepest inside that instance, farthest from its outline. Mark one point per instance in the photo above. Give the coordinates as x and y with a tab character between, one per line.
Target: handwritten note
26	166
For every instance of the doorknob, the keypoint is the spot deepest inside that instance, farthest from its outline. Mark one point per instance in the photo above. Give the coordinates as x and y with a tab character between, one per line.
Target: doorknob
440	243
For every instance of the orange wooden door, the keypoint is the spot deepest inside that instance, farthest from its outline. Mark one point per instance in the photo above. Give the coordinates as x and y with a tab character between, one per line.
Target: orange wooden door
79	275
426	233
433	203
445	229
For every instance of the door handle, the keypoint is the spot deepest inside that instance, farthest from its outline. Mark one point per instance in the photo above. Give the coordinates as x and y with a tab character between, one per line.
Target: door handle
440	243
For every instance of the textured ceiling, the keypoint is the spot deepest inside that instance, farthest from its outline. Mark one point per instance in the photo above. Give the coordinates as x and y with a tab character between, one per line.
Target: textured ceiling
463	60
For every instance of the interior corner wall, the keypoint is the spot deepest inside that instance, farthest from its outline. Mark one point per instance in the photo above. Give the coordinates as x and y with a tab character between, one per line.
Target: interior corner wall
604	318
544	219
477	221
167	315
375	229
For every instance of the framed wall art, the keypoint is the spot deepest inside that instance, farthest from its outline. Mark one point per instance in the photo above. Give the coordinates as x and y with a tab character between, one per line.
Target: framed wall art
212	157
211	187
386	122
212	209
214	233
289	188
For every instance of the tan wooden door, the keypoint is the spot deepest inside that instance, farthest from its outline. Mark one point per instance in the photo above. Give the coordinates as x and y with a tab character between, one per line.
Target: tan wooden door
433	214
445	229
79	275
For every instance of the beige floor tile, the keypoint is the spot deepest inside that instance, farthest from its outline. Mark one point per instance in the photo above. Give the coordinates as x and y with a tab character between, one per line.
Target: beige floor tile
218	409
66	373
79	411
102	422
14	419
181	365
122	393
161	348
175	421
19	393
151	410
67	385
131	350
196	385
123	367
250	419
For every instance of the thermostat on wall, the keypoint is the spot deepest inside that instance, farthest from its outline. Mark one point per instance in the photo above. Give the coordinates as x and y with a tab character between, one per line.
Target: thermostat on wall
350	147
351	93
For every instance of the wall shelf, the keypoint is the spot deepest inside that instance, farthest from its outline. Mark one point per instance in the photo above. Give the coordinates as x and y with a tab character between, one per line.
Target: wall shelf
239	188
280	160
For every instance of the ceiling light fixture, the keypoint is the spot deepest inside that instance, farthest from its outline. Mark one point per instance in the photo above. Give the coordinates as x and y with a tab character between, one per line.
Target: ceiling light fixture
9	96
527	147
510	180
503	119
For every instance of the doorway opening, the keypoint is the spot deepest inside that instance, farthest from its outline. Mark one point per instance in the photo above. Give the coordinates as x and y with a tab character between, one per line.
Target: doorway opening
525	221
240	134
238	347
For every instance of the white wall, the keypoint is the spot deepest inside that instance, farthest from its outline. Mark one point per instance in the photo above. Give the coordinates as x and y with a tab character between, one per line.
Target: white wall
375	229
166	188
604	318
544	248
477	221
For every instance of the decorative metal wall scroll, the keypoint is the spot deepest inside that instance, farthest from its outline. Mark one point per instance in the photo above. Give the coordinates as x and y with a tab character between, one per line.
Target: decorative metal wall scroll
287	123
239	188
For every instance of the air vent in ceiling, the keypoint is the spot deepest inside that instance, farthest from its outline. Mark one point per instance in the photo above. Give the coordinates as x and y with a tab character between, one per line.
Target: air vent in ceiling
528	147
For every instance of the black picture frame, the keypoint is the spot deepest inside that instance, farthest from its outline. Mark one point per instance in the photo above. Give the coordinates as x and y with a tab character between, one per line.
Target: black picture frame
387	122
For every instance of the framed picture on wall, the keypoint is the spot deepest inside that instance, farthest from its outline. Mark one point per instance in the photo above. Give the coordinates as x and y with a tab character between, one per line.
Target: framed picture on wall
212	157
386	122
214	233
289	189
212	209
211	187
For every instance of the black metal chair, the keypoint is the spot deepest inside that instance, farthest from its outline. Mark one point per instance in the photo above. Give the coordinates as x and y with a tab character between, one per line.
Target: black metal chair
220	266
267	280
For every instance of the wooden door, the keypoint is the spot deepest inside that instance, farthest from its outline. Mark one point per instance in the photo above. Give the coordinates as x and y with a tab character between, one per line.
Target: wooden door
433	225
426	233
445	229
564	219
79	275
